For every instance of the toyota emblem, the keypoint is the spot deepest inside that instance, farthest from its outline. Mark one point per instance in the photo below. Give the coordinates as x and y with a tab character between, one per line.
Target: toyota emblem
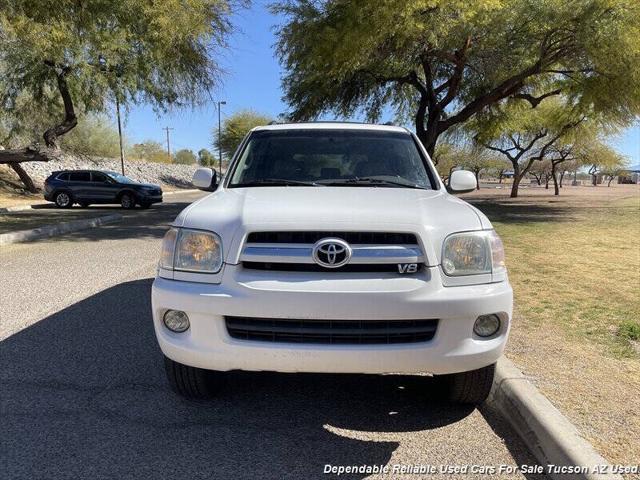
331	252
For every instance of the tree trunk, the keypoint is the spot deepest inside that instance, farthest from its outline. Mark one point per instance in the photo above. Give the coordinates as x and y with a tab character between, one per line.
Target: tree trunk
70	120
562	177
30	154
556	185
515	185
24	177
610	180
546	182
477	174
500	175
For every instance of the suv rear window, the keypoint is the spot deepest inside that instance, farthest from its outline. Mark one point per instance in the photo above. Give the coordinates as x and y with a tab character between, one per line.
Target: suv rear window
331	157
80	176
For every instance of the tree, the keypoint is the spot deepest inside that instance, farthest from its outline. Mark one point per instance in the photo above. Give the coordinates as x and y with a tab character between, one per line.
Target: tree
77	57
611	173
235	128
206	158
466	156
477	160
541	171
185	157
499	167
441	62
601	158
95	136
522	134
149	150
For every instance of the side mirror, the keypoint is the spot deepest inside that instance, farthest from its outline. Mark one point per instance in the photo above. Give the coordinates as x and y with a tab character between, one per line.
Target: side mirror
462	181
205	179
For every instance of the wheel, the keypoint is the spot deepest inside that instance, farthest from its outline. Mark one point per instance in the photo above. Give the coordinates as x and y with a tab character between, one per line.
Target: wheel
63	200
84	204
191	382
127	201
470	387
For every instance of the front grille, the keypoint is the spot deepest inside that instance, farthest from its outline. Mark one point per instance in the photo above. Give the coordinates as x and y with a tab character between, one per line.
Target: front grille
338	332
361	238
295	251
312	267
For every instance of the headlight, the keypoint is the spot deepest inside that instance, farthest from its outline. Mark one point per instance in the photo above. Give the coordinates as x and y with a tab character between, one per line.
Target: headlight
191	250
473	253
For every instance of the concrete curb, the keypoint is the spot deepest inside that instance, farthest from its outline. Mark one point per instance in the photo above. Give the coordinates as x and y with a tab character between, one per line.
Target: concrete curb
173	192
550	436
57	229
21	208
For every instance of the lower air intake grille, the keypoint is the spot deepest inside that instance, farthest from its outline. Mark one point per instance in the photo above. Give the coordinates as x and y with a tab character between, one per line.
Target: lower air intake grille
343	332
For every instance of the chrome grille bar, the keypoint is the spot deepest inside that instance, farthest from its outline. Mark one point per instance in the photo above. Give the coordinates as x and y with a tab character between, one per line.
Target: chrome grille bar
302	253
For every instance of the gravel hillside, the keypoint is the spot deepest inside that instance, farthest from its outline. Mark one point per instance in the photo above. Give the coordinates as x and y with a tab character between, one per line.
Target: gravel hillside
148	172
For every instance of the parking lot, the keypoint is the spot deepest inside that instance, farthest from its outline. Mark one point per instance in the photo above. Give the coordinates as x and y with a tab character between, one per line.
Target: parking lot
84	394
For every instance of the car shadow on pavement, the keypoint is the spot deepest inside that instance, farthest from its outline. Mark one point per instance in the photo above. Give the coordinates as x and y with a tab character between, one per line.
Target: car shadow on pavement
136	224
84	396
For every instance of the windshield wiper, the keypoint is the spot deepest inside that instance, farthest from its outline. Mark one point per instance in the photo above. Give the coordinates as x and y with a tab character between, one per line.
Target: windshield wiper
364	181
276	182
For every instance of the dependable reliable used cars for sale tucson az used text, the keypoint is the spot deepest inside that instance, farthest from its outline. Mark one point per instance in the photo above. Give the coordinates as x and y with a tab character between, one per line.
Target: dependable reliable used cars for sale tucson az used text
335	248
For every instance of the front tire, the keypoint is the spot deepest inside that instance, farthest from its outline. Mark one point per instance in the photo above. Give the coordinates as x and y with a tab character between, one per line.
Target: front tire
127	201
63	200
191	382
472	387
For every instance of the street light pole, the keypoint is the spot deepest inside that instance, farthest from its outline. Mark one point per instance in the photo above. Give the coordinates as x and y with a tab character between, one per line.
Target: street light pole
219	137
120	134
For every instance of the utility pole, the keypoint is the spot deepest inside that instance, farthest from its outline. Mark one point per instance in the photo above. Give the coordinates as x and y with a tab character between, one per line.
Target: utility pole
168	144
219	135
120	134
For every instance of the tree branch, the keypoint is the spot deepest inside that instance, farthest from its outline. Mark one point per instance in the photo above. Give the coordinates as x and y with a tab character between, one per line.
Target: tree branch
535	101
503	90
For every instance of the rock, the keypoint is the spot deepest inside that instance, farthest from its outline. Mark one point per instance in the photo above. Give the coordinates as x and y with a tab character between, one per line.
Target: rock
146	172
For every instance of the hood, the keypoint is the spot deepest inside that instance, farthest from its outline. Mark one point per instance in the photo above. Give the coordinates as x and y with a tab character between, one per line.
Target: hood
233	213
148	185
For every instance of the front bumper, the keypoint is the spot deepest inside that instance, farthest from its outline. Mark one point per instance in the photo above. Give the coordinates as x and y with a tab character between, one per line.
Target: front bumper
150	199
207	343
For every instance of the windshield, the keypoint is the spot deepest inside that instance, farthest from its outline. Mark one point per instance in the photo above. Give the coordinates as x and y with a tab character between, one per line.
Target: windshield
330	157
120	178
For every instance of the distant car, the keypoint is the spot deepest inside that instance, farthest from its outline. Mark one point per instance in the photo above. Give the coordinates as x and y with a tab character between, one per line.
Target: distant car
85	187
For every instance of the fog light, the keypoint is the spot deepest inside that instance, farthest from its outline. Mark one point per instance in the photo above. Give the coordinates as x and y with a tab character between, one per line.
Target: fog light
176	320
486	325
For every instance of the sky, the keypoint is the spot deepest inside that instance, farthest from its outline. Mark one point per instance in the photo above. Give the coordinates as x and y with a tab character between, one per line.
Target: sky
252	81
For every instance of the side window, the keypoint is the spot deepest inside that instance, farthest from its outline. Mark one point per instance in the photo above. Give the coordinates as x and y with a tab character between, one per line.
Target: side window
63	176
98	177
80	177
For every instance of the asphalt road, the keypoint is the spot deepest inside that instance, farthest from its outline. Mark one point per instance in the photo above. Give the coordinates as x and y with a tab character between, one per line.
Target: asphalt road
83	393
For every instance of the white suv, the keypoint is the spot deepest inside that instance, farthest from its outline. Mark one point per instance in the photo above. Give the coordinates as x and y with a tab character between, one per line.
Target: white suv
332	247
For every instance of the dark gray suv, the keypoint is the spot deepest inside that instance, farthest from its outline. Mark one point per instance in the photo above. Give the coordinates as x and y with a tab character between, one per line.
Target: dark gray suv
85	187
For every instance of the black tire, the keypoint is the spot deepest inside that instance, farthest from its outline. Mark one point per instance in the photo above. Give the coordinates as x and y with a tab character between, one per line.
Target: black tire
192	382
84	204
63	200
471	388
127	200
